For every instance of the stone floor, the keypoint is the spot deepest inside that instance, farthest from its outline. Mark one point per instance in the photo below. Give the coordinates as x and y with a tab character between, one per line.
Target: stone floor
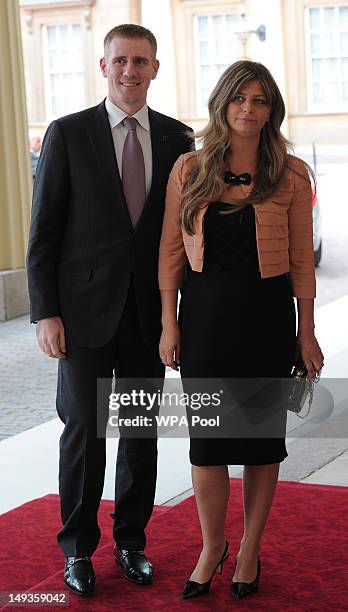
27	379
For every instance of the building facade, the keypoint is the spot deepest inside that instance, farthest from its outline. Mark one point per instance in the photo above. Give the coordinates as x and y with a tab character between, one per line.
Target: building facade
303	42
49	66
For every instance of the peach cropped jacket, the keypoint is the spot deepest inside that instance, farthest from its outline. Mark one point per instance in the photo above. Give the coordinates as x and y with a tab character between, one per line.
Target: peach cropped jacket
284	231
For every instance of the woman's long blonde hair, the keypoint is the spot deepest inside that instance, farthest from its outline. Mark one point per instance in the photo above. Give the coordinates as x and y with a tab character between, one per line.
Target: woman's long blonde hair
206	182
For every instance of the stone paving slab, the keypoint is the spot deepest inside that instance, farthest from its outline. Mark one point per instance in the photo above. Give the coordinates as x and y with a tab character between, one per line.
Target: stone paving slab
27	379
335	472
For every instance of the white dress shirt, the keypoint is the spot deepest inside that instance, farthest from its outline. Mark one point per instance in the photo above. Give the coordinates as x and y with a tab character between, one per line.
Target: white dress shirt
119	133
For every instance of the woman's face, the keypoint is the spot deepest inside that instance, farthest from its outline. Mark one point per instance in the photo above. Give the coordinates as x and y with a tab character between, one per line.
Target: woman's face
248	111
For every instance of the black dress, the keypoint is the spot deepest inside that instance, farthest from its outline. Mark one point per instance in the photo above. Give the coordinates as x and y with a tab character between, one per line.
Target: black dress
235	324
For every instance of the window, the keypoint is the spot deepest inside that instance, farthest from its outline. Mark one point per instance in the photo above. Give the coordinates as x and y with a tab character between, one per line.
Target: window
64	70
327	58
216	46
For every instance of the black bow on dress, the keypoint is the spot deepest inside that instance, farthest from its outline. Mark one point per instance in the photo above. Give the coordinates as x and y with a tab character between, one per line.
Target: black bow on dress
237	179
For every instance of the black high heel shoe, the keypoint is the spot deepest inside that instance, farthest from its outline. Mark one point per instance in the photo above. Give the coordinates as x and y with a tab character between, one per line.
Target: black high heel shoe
193	589
241	589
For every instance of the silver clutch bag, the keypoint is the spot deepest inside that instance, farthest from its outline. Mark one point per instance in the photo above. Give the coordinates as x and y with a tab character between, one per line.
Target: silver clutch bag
301	389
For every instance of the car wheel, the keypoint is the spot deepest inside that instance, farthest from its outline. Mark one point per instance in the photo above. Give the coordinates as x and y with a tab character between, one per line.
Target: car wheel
317	255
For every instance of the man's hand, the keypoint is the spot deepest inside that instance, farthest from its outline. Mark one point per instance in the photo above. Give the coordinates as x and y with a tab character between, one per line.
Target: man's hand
51	337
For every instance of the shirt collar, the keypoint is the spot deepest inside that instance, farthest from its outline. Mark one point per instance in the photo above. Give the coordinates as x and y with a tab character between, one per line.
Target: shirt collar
116	115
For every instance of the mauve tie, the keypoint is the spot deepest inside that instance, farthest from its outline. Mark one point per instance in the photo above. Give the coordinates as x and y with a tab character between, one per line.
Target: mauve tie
133	171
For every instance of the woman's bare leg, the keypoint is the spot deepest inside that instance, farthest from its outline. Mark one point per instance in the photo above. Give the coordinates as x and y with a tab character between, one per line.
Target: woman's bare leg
212	487
259	484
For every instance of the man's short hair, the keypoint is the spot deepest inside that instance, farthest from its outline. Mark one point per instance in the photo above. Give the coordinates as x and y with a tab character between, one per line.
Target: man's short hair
130	30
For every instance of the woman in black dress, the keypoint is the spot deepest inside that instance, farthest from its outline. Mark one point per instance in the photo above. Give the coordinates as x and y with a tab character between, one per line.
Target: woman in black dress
240	209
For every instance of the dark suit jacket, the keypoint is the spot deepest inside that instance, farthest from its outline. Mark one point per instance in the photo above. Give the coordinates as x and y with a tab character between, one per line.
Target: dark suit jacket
83	249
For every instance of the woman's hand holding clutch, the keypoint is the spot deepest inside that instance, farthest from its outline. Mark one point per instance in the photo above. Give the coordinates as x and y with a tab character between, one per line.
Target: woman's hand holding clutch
310	352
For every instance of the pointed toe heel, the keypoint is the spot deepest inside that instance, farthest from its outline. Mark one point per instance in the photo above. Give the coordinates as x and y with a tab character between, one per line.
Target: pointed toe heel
194	589
241	589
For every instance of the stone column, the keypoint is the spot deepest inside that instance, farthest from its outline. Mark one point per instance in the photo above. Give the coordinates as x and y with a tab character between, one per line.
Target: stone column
163	91
134	11
15	174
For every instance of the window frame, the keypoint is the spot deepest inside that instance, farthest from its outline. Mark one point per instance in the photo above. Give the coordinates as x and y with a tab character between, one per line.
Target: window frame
50	116
322	107
201	110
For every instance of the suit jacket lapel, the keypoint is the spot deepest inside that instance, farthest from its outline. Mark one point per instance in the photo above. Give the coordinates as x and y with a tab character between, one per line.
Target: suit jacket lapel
103	145
157	144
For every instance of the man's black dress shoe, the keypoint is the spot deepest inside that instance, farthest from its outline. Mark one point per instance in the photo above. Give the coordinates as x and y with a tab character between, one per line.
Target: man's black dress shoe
137	568
79	575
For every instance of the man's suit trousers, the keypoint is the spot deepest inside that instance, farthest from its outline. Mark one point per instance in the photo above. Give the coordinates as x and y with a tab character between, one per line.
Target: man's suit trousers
82	453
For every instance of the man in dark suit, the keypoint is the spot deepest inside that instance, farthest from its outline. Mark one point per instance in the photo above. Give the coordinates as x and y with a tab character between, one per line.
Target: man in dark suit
92	273
34	151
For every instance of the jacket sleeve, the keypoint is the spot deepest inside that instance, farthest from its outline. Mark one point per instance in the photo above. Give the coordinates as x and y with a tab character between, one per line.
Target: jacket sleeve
301	253
172	255
49	211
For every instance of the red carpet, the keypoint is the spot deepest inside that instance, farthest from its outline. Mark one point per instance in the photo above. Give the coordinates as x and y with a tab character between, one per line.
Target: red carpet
304	555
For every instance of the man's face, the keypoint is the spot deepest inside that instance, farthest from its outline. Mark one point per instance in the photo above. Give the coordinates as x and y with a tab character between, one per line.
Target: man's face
35	143
129	66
